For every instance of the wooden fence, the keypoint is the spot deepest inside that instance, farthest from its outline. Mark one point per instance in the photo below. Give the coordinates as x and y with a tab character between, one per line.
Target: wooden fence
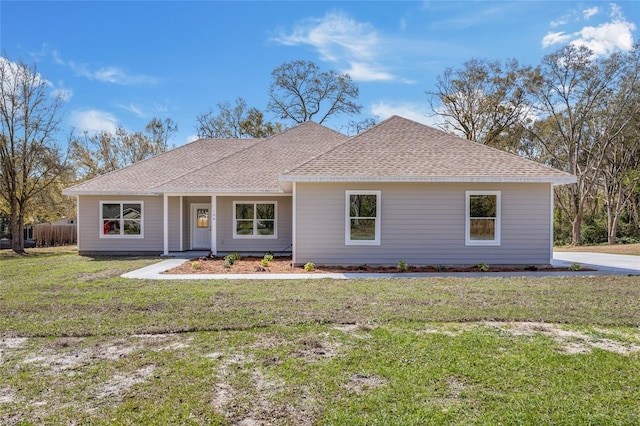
47	235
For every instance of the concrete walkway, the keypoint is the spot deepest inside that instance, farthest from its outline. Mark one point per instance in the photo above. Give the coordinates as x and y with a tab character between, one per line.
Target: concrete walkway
603	264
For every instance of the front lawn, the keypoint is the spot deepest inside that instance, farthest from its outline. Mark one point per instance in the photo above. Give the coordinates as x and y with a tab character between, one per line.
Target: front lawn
81	345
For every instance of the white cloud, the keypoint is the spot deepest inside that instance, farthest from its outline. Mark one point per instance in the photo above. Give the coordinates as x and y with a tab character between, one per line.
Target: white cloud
93	121
192	138
415	112
592	11
606	38
602	39
555	38
134	109
342	40
22	72
62	93
363	72
111	74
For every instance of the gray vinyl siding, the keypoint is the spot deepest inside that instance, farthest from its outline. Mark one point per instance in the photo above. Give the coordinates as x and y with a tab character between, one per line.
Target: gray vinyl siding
226	243
89	227
423	224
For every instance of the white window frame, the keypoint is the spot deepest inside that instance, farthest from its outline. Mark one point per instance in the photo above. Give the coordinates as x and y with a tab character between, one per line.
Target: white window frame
122	234
347	222
255	221
497	219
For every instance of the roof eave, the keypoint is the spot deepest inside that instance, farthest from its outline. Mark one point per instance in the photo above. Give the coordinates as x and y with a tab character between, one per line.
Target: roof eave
73	193
556	180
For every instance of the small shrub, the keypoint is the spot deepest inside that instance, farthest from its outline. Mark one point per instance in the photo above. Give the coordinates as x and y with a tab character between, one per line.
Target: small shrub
483	267
195	265
309	266
575	267
226	263
403	266
266	260
232	258
441	268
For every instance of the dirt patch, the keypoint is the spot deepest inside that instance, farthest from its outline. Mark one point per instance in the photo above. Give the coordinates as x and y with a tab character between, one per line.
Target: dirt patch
282	265
571	342
12	342
7	395
360	383
122	383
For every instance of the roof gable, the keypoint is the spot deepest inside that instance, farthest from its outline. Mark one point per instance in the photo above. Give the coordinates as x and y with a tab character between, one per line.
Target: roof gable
401	150
257	169
143	176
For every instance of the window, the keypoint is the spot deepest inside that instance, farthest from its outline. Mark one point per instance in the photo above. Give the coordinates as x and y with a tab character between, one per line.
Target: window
254	220
483	218
202	218
121	219
362	218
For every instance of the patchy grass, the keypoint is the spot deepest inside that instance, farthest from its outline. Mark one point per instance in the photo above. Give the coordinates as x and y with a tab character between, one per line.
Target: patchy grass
82	346
630	249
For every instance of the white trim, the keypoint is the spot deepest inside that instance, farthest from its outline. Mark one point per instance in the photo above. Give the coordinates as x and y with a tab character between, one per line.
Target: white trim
181	215
112	193
294	223
165	224
120	236
467	220
78	220
551	221
255	220
193	223
347	223
221	191
212	224
560	180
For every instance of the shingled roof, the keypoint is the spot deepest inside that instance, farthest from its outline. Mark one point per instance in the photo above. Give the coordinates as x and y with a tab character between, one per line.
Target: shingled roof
401	150
217	165
140	178
395	150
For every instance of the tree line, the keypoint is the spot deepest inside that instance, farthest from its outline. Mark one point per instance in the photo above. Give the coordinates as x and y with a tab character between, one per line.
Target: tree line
573	111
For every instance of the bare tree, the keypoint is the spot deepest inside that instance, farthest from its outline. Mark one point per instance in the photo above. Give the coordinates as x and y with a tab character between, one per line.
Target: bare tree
104	152
301	92
238	121
577	92
483	100
30	160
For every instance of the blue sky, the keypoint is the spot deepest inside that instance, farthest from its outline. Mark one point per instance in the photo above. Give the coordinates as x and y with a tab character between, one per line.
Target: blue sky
126	62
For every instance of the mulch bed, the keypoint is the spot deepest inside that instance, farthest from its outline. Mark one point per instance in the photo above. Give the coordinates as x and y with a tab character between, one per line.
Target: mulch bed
282	265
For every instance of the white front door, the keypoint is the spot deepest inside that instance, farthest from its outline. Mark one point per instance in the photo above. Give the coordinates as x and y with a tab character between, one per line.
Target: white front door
201	223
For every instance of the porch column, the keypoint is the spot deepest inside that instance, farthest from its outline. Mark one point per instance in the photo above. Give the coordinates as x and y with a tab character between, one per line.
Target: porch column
181	224
212	225
165	223
294	226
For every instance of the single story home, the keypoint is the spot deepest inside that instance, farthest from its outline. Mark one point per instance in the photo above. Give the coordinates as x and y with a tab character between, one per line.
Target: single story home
397	191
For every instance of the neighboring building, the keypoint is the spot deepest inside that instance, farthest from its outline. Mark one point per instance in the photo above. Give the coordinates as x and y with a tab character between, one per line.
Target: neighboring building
398	191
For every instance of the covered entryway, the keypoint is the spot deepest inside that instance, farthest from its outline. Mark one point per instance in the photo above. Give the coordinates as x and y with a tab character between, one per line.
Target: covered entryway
201	223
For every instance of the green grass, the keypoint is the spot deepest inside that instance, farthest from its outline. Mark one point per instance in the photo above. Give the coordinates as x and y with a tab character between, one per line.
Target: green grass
81	345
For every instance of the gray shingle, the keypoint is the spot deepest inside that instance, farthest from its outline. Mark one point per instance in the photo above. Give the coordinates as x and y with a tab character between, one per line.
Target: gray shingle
399	149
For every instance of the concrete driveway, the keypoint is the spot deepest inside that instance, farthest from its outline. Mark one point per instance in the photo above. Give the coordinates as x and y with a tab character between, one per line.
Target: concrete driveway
614	263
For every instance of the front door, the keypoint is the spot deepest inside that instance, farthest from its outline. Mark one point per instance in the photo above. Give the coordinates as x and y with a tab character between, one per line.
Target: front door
201	227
